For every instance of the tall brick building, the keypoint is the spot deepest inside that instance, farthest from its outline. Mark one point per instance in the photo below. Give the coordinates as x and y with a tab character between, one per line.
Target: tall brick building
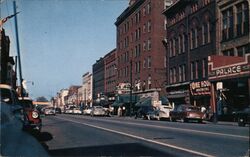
207	43
140	32
110	78
191	33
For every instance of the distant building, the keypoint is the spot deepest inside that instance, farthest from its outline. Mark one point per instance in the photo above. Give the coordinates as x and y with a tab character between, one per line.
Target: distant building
98	78
72	97
87	89
110	74
141	54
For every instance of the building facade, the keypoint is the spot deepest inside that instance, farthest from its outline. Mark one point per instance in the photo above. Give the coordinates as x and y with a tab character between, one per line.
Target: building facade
191	37
229	69
98	78
110	77
87	89
140	53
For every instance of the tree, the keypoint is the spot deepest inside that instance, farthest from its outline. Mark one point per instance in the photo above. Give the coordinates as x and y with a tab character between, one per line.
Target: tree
41	99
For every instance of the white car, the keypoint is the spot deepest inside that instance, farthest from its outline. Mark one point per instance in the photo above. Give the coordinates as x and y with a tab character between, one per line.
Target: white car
98	111
77	111
50	111
87	111
161	113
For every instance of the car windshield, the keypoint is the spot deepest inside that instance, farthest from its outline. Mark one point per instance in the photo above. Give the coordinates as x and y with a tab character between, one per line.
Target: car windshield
26	103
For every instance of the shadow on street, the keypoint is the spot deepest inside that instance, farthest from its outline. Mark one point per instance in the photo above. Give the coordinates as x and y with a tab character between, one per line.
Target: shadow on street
127	149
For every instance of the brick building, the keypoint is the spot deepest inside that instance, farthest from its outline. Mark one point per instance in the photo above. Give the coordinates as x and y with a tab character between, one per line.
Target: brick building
191	37
229	70
141	55
98	78
110	74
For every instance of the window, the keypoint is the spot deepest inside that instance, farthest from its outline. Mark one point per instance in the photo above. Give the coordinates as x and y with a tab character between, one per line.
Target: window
242	19
229	52
144	46
205	33
149	26
183	43
144	28
138	17
171	75
170	48
180	73
192	71
242	50
192	36
144	63
149	62
196	70
173	47
227	30
183	73
174	75
149	44
144	11
180	44
204	68
148	8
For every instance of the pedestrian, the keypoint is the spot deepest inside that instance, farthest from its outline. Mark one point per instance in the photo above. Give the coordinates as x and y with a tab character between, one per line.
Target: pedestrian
119	111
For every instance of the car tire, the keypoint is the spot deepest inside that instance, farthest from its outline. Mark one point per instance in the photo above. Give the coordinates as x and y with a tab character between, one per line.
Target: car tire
241	123
172	119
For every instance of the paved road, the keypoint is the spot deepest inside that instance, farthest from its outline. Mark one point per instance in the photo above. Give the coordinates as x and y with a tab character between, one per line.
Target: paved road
78	135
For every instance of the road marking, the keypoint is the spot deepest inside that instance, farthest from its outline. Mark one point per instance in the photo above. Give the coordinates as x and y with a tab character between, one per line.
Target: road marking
141	138
180	129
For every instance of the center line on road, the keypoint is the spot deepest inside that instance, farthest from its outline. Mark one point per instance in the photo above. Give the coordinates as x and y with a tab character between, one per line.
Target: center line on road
141	138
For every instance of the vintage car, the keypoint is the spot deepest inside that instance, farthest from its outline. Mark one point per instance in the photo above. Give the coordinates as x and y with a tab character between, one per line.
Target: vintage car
31	119
243	116
185	113
98	111
49	111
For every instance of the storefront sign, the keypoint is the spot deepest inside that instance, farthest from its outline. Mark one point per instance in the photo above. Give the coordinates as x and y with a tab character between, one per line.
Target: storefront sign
228	70
200	88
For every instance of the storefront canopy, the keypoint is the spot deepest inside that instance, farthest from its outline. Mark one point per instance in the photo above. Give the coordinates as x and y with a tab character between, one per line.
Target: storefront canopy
144	102
116	104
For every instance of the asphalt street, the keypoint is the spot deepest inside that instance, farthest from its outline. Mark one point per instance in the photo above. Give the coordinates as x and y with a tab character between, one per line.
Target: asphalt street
78	135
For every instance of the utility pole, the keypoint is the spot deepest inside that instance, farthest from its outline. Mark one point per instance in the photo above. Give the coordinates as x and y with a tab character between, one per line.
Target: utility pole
18	50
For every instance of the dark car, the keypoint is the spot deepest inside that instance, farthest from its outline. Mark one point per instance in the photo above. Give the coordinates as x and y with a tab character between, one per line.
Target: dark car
31	116
187	112
243	117
58	110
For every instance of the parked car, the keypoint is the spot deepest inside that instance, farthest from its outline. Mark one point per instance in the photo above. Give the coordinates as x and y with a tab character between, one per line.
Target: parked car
69	110
243	116
186	113
143	111
11	128
58	110
49	111
161	113
87	111
98	111
77	110
31	116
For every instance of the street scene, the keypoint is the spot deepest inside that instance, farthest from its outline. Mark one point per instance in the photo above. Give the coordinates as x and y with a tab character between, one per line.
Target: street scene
125	78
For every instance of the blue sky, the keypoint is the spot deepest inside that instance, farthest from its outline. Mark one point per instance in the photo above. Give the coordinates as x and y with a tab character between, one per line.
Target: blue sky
60	40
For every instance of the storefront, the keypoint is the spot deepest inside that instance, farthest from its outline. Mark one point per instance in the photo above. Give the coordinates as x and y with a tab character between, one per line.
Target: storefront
200	93
230	78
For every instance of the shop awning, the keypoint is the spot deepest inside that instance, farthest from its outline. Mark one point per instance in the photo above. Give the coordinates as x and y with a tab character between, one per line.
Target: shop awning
116	104
144	102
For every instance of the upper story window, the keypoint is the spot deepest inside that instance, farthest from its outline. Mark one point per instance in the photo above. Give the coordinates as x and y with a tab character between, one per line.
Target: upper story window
138	17
149	26
149	44
242	50
228	23
149	8
242	19
206	2
194	7
205	33
229	52
194	38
